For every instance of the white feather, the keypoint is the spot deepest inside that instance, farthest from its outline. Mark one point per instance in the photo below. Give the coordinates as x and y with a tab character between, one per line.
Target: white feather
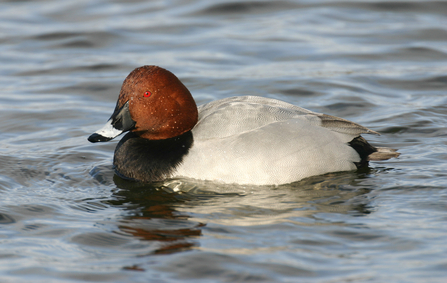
255	140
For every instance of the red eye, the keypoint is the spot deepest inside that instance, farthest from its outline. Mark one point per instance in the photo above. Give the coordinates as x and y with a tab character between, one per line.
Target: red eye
147	94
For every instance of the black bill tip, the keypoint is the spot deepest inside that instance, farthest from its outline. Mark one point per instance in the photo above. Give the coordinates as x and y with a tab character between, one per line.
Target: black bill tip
98	138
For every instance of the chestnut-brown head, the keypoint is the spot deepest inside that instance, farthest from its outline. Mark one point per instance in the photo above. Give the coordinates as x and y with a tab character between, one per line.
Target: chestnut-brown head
154	104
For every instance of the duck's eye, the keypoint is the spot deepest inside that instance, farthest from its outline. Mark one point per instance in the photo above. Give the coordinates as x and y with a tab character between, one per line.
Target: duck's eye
147	94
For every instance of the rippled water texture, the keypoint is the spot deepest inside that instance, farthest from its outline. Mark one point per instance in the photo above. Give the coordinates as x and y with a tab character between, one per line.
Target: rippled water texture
65	217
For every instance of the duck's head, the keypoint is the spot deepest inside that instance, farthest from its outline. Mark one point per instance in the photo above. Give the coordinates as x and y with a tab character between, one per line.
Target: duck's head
154	104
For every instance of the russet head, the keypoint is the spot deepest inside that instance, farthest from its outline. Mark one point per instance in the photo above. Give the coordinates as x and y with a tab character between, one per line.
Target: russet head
152	103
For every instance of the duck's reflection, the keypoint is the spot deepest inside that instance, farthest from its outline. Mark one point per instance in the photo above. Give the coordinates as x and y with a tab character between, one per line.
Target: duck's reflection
151	216
173	213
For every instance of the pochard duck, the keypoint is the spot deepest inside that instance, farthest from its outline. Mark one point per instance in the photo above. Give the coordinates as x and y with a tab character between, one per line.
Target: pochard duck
243	140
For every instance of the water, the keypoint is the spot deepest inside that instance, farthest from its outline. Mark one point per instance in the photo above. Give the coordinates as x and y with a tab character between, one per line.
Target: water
65	217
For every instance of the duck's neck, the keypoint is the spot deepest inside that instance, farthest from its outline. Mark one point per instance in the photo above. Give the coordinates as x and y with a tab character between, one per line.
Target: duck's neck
150	160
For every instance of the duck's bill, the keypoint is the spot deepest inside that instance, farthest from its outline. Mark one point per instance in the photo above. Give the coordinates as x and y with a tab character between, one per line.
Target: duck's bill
106	133
119	123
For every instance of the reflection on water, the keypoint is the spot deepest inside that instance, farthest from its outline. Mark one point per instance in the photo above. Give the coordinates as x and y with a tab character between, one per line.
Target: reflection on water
297	203
151	215
173	213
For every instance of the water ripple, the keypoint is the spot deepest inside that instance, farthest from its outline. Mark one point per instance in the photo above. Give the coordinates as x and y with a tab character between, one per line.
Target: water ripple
65	216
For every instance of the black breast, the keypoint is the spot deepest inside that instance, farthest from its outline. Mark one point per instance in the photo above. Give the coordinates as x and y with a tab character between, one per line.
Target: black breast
150	160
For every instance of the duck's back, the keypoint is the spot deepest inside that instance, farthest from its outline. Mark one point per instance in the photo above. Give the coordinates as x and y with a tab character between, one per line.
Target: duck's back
255	140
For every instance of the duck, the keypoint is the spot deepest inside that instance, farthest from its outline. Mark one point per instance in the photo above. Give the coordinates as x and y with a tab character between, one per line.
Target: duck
248	140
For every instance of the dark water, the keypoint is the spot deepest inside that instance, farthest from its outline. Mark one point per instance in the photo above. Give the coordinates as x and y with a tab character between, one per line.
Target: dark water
65	217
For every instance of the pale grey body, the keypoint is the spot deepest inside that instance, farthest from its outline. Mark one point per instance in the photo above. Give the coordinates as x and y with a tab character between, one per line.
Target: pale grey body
262	141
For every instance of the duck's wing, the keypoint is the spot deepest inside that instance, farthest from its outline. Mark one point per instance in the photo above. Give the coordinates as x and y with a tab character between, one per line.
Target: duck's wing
343	126
236	115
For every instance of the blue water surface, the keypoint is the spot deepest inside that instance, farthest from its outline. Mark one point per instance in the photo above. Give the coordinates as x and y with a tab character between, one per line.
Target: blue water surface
65	217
